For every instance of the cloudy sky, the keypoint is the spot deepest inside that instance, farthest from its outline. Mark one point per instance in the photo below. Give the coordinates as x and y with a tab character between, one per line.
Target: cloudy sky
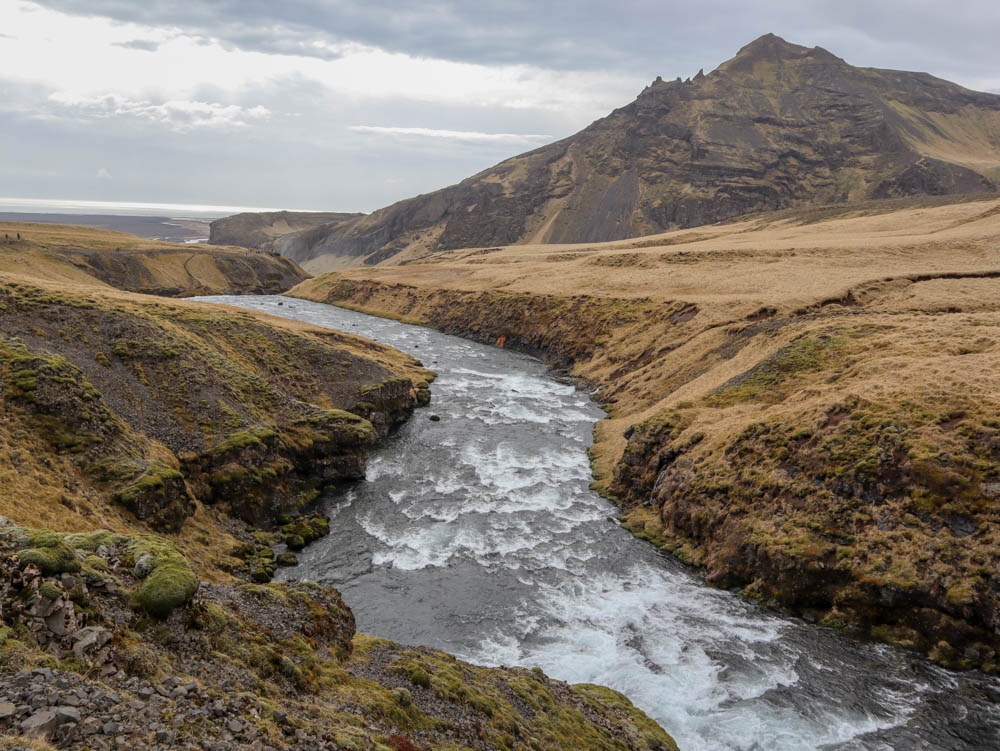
353	104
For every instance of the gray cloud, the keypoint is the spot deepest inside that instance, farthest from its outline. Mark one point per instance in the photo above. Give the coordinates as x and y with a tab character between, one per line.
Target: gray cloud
304	155
147	45
639	36
291	142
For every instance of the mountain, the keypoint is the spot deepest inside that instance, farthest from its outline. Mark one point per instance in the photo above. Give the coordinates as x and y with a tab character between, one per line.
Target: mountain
254	229
777	126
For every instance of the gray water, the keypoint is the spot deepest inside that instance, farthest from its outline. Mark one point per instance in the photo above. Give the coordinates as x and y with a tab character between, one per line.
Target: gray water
479	535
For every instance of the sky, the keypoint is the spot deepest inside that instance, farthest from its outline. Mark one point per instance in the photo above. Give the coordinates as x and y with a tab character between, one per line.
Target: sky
349	105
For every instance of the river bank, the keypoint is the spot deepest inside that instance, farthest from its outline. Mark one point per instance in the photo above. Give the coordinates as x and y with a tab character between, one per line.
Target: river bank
152	455
478	533
805	410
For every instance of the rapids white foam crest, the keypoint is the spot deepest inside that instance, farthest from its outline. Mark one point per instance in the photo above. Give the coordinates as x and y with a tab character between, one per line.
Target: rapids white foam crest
479	534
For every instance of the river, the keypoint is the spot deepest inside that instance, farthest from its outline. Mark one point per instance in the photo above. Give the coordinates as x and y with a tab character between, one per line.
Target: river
479	534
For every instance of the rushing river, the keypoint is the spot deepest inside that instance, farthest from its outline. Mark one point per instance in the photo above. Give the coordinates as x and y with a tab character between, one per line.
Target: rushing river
479	534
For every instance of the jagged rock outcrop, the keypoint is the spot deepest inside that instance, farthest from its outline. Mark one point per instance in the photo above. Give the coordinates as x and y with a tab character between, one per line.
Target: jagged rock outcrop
777	126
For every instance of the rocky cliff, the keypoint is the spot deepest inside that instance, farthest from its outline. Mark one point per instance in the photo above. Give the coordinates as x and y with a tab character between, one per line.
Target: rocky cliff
777	126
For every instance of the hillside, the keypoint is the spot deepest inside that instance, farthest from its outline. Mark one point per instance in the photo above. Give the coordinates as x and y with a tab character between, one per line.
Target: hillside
257	229
88	255
154	455
777	126
804	404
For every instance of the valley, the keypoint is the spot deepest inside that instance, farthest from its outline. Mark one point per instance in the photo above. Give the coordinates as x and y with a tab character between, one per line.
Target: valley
805	409
701	450
154	453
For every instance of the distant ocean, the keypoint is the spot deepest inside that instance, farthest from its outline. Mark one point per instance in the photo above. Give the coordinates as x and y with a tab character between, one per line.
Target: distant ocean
113	208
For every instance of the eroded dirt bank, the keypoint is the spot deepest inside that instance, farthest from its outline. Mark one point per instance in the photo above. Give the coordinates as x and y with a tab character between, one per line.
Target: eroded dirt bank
830	445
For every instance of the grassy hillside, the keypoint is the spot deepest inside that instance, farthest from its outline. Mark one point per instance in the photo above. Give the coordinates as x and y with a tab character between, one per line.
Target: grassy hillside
803	404
87	255
153	454
123	409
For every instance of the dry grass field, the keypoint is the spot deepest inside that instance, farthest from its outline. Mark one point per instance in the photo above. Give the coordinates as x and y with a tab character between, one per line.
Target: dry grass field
806	406
69	253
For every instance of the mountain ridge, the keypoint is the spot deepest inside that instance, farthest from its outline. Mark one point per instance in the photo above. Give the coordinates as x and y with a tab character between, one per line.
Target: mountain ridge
777	126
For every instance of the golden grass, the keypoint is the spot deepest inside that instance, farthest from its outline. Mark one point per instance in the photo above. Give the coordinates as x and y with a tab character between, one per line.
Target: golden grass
43	488
877	332
65	253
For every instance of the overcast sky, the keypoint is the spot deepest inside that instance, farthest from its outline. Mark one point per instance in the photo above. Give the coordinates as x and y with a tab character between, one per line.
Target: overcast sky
353	104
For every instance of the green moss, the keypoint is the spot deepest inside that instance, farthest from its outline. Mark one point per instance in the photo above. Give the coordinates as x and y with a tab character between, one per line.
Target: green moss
763	382
50	591
170	584
154	481
51	559
601	698
419	677
245	439
302	531
288	559
96	563
91	541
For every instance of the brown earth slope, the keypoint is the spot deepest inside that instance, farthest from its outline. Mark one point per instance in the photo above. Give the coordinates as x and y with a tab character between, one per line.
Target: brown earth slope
777	126
257	229
808	407
89	255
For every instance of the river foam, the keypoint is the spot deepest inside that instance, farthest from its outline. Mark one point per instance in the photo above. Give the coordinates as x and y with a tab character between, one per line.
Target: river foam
479	534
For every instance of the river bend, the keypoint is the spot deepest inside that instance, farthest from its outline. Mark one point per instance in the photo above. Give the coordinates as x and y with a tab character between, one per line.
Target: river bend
478	534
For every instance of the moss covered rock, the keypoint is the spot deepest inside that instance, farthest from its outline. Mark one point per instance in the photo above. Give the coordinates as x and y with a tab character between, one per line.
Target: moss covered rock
53	557
170	582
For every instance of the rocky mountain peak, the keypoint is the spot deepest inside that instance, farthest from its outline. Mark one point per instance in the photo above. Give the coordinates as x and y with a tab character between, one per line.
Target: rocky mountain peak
777	126
770	49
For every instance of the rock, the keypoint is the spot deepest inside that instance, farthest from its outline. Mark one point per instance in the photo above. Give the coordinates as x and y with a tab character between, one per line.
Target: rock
62	621
962	525
44	722
144	566
91	726
434	418
7	710
288	558
89	639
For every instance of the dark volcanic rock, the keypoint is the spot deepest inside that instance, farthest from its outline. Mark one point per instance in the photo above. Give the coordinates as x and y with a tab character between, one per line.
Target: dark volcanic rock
777	126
